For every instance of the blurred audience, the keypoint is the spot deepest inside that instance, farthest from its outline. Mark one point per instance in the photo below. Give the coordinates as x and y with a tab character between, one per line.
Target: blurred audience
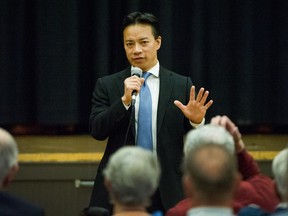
254	187
11	205
280	173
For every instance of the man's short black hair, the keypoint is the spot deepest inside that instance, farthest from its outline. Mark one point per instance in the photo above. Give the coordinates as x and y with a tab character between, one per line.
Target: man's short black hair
142	18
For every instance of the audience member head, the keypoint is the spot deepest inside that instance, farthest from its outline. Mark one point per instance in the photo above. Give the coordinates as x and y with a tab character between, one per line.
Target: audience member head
280	172
210	174
209	134
132	176
8	158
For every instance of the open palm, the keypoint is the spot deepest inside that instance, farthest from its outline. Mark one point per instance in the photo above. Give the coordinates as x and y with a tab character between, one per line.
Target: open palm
196	108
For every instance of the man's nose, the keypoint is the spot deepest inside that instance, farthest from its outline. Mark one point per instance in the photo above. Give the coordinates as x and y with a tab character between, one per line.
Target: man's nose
138	48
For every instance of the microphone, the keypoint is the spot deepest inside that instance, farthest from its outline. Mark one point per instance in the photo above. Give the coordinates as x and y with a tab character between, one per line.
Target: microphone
135	72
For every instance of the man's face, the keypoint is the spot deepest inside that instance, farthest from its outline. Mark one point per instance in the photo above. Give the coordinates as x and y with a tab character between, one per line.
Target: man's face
141	46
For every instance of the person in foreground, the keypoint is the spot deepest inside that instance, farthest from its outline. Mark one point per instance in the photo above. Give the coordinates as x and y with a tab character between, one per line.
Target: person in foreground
253	188
11	205
171	104
210	178
280	173
131	177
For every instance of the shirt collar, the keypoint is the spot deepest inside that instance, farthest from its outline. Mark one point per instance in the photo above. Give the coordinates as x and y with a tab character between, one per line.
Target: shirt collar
214	210
283	205
154	70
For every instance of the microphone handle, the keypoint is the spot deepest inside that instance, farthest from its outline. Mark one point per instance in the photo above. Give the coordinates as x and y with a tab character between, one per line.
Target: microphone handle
134	92
133	97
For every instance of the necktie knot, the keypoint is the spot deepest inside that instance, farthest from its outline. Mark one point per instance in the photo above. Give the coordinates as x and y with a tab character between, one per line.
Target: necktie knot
145	75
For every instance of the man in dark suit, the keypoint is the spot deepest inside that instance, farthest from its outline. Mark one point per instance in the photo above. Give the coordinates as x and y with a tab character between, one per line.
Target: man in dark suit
11	205
112	111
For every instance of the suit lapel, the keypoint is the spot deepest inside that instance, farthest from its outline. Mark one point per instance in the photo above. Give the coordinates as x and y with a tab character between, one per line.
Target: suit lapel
165	89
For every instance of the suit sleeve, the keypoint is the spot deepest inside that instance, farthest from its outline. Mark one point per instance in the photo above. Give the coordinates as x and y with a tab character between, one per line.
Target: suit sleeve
107	111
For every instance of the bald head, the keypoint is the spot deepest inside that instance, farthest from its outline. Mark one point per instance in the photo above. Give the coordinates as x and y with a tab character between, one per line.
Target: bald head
8	153
212	170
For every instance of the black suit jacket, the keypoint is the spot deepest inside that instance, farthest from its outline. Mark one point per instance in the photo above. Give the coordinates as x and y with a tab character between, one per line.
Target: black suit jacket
109	118
11	205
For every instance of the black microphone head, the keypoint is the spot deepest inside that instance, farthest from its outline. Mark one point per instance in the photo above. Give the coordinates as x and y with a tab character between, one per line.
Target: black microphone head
136	71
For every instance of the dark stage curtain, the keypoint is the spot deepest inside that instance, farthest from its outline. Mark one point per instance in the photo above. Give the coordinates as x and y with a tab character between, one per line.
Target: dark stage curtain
52	52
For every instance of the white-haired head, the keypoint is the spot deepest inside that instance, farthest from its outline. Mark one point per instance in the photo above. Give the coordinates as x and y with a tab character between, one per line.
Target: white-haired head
133	174
209	134
8	153
280	172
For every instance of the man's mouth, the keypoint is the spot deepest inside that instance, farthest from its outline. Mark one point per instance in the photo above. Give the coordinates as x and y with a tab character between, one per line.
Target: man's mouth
138	58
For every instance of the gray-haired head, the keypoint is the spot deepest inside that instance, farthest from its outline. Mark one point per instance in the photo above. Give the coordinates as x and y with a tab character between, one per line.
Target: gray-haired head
280	172
133	174
8	153
209	134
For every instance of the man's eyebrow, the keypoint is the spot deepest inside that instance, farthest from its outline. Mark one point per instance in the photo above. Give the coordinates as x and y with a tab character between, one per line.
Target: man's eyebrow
141	39
144	38
128	40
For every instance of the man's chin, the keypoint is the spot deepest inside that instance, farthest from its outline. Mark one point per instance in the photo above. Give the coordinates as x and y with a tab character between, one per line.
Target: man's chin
137	64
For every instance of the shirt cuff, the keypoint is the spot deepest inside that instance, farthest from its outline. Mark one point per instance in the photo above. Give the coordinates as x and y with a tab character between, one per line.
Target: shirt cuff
197	125
127	107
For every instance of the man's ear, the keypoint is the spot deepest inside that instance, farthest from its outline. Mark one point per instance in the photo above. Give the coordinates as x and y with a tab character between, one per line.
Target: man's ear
11	175
187	186
107	184
108	187
159	40
237	181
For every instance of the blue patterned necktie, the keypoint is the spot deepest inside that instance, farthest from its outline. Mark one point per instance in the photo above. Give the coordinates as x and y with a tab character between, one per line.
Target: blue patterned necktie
144	134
